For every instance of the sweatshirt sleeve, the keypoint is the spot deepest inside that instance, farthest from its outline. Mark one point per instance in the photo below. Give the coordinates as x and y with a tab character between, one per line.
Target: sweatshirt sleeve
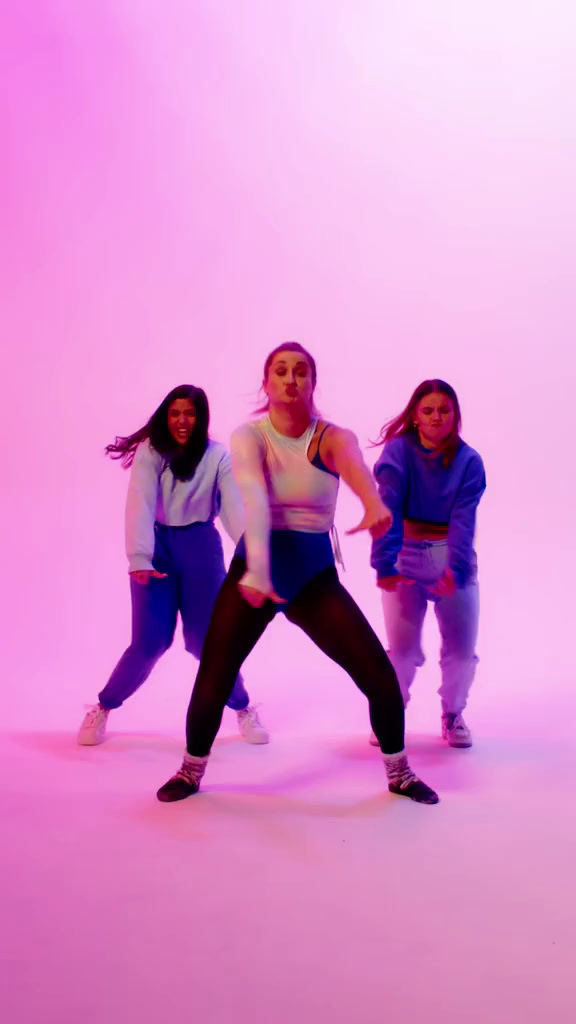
463	520
247	466
141	507
230	500
391	477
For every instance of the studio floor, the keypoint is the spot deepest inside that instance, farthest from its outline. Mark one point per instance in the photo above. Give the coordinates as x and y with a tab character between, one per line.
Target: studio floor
293	888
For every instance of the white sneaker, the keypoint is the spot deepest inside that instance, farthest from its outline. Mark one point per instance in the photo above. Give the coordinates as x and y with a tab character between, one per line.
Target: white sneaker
93	728
455	731
250	726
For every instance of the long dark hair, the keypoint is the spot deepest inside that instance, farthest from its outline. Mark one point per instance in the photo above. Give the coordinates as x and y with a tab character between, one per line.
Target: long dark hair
288	346
403	425
182	459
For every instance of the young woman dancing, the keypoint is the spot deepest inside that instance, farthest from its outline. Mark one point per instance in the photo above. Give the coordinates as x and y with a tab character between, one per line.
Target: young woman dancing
287	466
179	482
432	481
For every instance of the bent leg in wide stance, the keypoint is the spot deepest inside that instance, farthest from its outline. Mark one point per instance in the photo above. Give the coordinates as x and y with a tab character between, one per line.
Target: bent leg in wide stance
457	617
327	613
201	576
154	616
234	630
332	619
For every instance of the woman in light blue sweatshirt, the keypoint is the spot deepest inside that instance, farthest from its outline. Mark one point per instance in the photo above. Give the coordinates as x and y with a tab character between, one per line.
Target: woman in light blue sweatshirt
432	482
180	481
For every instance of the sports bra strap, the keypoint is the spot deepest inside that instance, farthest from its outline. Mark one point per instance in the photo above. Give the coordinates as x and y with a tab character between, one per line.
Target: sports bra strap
318	461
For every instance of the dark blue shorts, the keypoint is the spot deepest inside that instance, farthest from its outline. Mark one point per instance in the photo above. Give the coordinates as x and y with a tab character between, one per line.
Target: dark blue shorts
295	558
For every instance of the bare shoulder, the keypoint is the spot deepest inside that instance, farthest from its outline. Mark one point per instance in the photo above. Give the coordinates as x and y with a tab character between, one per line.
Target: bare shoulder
339	438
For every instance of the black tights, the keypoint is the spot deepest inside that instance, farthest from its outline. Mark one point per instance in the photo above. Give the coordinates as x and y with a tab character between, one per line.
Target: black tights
330	617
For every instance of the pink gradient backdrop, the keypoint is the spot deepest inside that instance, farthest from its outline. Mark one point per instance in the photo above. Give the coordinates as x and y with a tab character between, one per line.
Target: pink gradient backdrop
184	184
187	184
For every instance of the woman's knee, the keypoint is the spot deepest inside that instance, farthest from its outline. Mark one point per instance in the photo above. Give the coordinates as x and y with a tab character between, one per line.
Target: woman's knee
375	672
194	642
407	652
458	653
384	687
150	647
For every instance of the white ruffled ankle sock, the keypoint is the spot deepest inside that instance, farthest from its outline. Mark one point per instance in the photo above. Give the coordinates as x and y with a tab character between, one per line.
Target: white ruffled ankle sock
398	770
192	769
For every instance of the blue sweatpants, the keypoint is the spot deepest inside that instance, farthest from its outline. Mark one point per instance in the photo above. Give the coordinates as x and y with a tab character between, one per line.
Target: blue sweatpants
193	559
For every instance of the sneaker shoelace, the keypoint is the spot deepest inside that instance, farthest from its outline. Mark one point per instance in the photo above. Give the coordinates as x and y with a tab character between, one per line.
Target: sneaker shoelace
250	714
95	714
458	725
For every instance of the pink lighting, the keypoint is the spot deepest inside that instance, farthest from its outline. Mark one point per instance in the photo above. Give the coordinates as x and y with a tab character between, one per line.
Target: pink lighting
184	186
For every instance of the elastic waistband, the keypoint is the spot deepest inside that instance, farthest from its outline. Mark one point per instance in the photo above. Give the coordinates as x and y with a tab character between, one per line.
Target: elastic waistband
419	545
420	530
205	525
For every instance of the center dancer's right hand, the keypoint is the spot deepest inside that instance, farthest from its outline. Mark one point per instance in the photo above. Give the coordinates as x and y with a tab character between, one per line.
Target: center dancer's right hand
256	593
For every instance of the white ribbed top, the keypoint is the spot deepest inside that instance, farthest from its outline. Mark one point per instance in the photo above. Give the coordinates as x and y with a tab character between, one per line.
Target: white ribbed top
301	496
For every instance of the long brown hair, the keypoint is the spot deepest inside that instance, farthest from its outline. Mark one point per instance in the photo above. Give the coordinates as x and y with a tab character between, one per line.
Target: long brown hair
183	460
403	425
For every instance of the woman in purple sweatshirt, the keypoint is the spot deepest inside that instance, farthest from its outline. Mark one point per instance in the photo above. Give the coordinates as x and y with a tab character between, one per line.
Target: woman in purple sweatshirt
432	482
180	481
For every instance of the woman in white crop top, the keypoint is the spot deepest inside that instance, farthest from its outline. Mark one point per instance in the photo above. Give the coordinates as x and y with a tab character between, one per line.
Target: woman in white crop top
287	466
179	481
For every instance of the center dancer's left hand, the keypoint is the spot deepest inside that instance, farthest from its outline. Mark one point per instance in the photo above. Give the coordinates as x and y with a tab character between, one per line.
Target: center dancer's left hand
377	520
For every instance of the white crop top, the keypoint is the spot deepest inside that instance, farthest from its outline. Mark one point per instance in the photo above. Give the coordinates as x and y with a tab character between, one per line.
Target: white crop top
302	496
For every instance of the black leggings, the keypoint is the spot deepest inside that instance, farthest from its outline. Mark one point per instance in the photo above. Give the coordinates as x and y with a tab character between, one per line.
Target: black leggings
330	617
